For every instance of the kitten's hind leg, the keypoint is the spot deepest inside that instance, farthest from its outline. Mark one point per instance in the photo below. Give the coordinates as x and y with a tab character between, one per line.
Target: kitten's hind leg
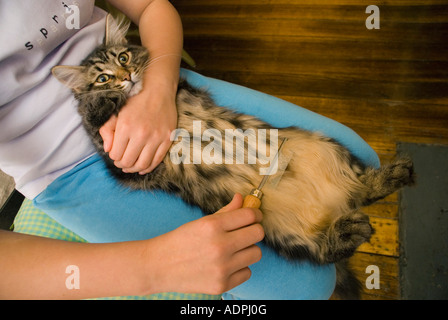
345	235
386	180
348	287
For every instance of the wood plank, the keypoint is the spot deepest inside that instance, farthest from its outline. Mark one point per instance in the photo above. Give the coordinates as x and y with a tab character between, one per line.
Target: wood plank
399	116
347	60
387	210
303	11
307	2
304	46
334	30
323	87
385	239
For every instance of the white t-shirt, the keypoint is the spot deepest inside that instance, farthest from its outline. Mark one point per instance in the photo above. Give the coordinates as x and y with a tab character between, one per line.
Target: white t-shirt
41	136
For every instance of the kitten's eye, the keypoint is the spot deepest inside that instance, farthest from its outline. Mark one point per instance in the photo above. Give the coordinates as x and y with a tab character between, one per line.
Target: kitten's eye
102	78
123	58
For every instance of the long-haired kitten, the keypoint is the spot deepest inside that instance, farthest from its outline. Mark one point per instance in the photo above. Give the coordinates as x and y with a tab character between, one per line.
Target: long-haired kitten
313	210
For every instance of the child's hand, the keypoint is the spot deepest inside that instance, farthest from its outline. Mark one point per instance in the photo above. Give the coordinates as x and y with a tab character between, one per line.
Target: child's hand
139	137
209	255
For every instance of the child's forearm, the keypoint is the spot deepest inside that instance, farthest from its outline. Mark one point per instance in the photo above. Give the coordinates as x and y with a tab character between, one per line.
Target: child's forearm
209	255
161	33
39	268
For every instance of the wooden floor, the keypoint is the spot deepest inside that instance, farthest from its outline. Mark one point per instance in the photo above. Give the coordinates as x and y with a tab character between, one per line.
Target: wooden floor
388	84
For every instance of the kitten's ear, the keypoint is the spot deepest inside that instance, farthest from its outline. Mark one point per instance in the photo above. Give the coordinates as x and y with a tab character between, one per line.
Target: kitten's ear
116	29
71	76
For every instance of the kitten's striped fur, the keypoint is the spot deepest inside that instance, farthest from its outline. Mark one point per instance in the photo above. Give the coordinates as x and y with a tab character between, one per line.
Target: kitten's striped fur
311	214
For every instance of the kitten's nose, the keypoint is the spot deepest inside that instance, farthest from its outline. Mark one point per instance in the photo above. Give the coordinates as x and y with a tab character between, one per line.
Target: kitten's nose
123	75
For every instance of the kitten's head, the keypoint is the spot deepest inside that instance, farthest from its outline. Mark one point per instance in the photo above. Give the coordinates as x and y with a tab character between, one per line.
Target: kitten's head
113	66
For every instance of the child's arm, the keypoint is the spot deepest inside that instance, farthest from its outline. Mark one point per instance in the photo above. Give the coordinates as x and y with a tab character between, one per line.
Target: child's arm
139	137
208	255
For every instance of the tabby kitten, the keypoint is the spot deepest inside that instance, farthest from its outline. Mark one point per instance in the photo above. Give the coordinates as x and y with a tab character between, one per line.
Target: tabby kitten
313	212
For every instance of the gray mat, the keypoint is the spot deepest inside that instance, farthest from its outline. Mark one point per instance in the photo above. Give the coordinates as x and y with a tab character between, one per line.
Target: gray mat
424	225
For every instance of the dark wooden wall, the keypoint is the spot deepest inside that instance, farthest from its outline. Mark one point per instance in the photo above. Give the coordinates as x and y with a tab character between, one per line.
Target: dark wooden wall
388	84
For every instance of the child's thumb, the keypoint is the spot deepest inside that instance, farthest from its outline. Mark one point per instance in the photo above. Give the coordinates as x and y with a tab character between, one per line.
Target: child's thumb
236	203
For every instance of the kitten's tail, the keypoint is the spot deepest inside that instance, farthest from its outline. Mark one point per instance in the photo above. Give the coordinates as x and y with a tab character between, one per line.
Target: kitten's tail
348	287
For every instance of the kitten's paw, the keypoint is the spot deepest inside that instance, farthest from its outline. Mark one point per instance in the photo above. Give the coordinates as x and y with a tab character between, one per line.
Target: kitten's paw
400	173
347	234
386	180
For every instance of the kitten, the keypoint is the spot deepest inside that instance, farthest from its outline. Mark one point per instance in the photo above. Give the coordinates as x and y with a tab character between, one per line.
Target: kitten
313	212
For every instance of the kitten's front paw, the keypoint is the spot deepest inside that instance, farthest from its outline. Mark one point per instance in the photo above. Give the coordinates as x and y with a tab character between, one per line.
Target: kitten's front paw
347	234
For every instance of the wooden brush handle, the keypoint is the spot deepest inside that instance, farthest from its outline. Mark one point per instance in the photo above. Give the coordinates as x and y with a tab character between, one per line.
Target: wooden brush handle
251	201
